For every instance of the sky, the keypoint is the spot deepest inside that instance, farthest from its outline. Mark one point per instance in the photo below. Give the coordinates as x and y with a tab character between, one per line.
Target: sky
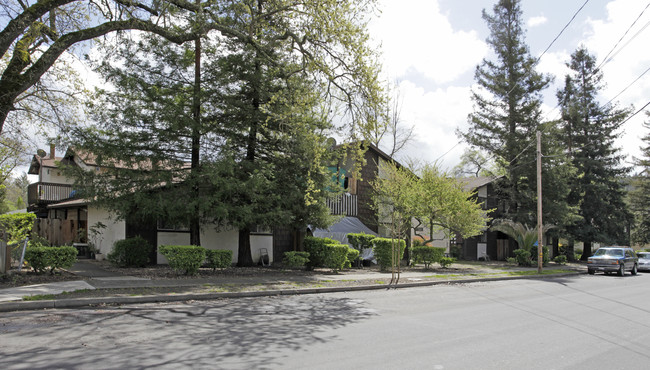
430	49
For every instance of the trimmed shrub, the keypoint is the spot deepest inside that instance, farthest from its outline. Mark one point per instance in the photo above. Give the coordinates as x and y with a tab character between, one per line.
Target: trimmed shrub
353	254
511	261
130	252
336	256
360	241
427	255
184	258
561	259
446	261
40	258
523	257
295	259
383	251
218	258
456	251
317	249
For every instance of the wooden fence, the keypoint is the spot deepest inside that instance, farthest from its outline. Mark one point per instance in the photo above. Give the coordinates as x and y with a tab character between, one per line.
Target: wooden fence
344	204
59	232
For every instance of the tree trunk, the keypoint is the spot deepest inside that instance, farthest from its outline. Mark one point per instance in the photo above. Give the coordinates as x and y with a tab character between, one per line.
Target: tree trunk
195	220
556	246
586	251
244	255
570	251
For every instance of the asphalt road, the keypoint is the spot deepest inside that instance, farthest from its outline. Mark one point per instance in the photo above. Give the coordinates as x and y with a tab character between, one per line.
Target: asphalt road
581	322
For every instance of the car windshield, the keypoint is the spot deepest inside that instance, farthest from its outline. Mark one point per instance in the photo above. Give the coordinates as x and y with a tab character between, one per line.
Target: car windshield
609	252
643	255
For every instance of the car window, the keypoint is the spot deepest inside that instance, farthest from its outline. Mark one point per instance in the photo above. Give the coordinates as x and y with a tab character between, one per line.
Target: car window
643	254
610	252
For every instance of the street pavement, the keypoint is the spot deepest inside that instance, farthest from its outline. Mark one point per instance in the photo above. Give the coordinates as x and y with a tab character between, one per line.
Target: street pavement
94	277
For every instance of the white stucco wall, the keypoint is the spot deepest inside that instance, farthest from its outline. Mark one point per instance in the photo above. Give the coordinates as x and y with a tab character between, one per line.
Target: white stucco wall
54	175
213	239
115	230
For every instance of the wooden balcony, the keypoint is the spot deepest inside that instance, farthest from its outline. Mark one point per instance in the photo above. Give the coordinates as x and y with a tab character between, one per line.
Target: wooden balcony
344	204
46	193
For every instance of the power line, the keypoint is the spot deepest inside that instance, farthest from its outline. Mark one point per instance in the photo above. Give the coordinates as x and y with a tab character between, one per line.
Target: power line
635	113
555	39
606	60
628	86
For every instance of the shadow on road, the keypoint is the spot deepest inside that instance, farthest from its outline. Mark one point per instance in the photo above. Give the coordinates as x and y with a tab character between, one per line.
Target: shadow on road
245	333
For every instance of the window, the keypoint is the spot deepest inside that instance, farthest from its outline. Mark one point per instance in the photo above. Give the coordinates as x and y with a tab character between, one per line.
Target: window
258	229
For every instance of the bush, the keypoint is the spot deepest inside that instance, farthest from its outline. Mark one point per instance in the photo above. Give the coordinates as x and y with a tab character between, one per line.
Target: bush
18	225
336	256
446	261
295	259
130	252
561	259
546	258
317	249
523	257
383	251
218	258
427	255
184	258
353	254
41	258
511	261
360	241
456	251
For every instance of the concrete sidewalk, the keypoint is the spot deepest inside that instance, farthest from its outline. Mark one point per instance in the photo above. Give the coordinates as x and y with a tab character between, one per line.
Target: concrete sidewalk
94	277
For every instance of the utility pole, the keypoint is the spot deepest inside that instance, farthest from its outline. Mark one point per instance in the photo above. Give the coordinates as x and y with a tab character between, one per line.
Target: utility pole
540	250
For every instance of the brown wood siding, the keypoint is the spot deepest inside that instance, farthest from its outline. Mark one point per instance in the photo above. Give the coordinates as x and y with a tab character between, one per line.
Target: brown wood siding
368	174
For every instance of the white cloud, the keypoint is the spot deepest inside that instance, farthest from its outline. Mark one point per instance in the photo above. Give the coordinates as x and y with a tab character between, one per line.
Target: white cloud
628	61
416	37
536	21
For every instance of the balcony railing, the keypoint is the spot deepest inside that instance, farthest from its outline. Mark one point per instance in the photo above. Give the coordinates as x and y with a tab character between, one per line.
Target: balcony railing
344	204
44	192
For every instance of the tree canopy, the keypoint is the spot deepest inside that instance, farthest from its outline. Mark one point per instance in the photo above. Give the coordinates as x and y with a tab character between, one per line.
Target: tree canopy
589	130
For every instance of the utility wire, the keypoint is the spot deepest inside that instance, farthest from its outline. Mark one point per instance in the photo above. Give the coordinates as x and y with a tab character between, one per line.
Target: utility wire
606	60
555	39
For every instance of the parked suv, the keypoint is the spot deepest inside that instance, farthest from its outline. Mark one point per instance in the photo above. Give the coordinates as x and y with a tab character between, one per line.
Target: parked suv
613	259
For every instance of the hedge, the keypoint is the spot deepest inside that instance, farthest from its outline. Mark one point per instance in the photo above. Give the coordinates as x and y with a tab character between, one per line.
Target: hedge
317	249
360	241
218	258
41	258
353	254
427	255
295	259
184	258
383	251
130	252
336	256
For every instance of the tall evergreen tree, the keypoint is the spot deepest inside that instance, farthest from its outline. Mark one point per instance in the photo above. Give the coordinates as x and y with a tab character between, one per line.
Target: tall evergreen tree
641	194
507	114
589	131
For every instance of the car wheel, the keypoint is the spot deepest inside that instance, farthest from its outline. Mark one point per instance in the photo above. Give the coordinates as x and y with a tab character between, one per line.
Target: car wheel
634	269
621	270
591	272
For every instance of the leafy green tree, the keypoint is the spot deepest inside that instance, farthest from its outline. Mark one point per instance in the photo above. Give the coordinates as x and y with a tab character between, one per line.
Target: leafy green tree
37	33
260	126
507	109
444	205
640	196
589	130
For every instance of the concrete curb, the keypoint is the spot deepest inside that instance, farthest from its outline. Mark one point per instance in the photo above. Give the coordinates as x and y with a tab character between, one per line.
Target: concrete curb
102	301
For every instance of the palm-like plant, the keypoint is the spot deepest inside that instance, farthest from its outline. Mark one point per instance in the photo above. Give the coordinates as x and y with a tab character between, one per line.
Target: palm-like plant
522	234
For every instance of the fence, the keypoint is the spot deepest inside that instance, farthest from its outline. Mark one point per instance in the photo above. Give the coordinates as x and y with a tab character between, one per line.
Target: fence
345	204
60	232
